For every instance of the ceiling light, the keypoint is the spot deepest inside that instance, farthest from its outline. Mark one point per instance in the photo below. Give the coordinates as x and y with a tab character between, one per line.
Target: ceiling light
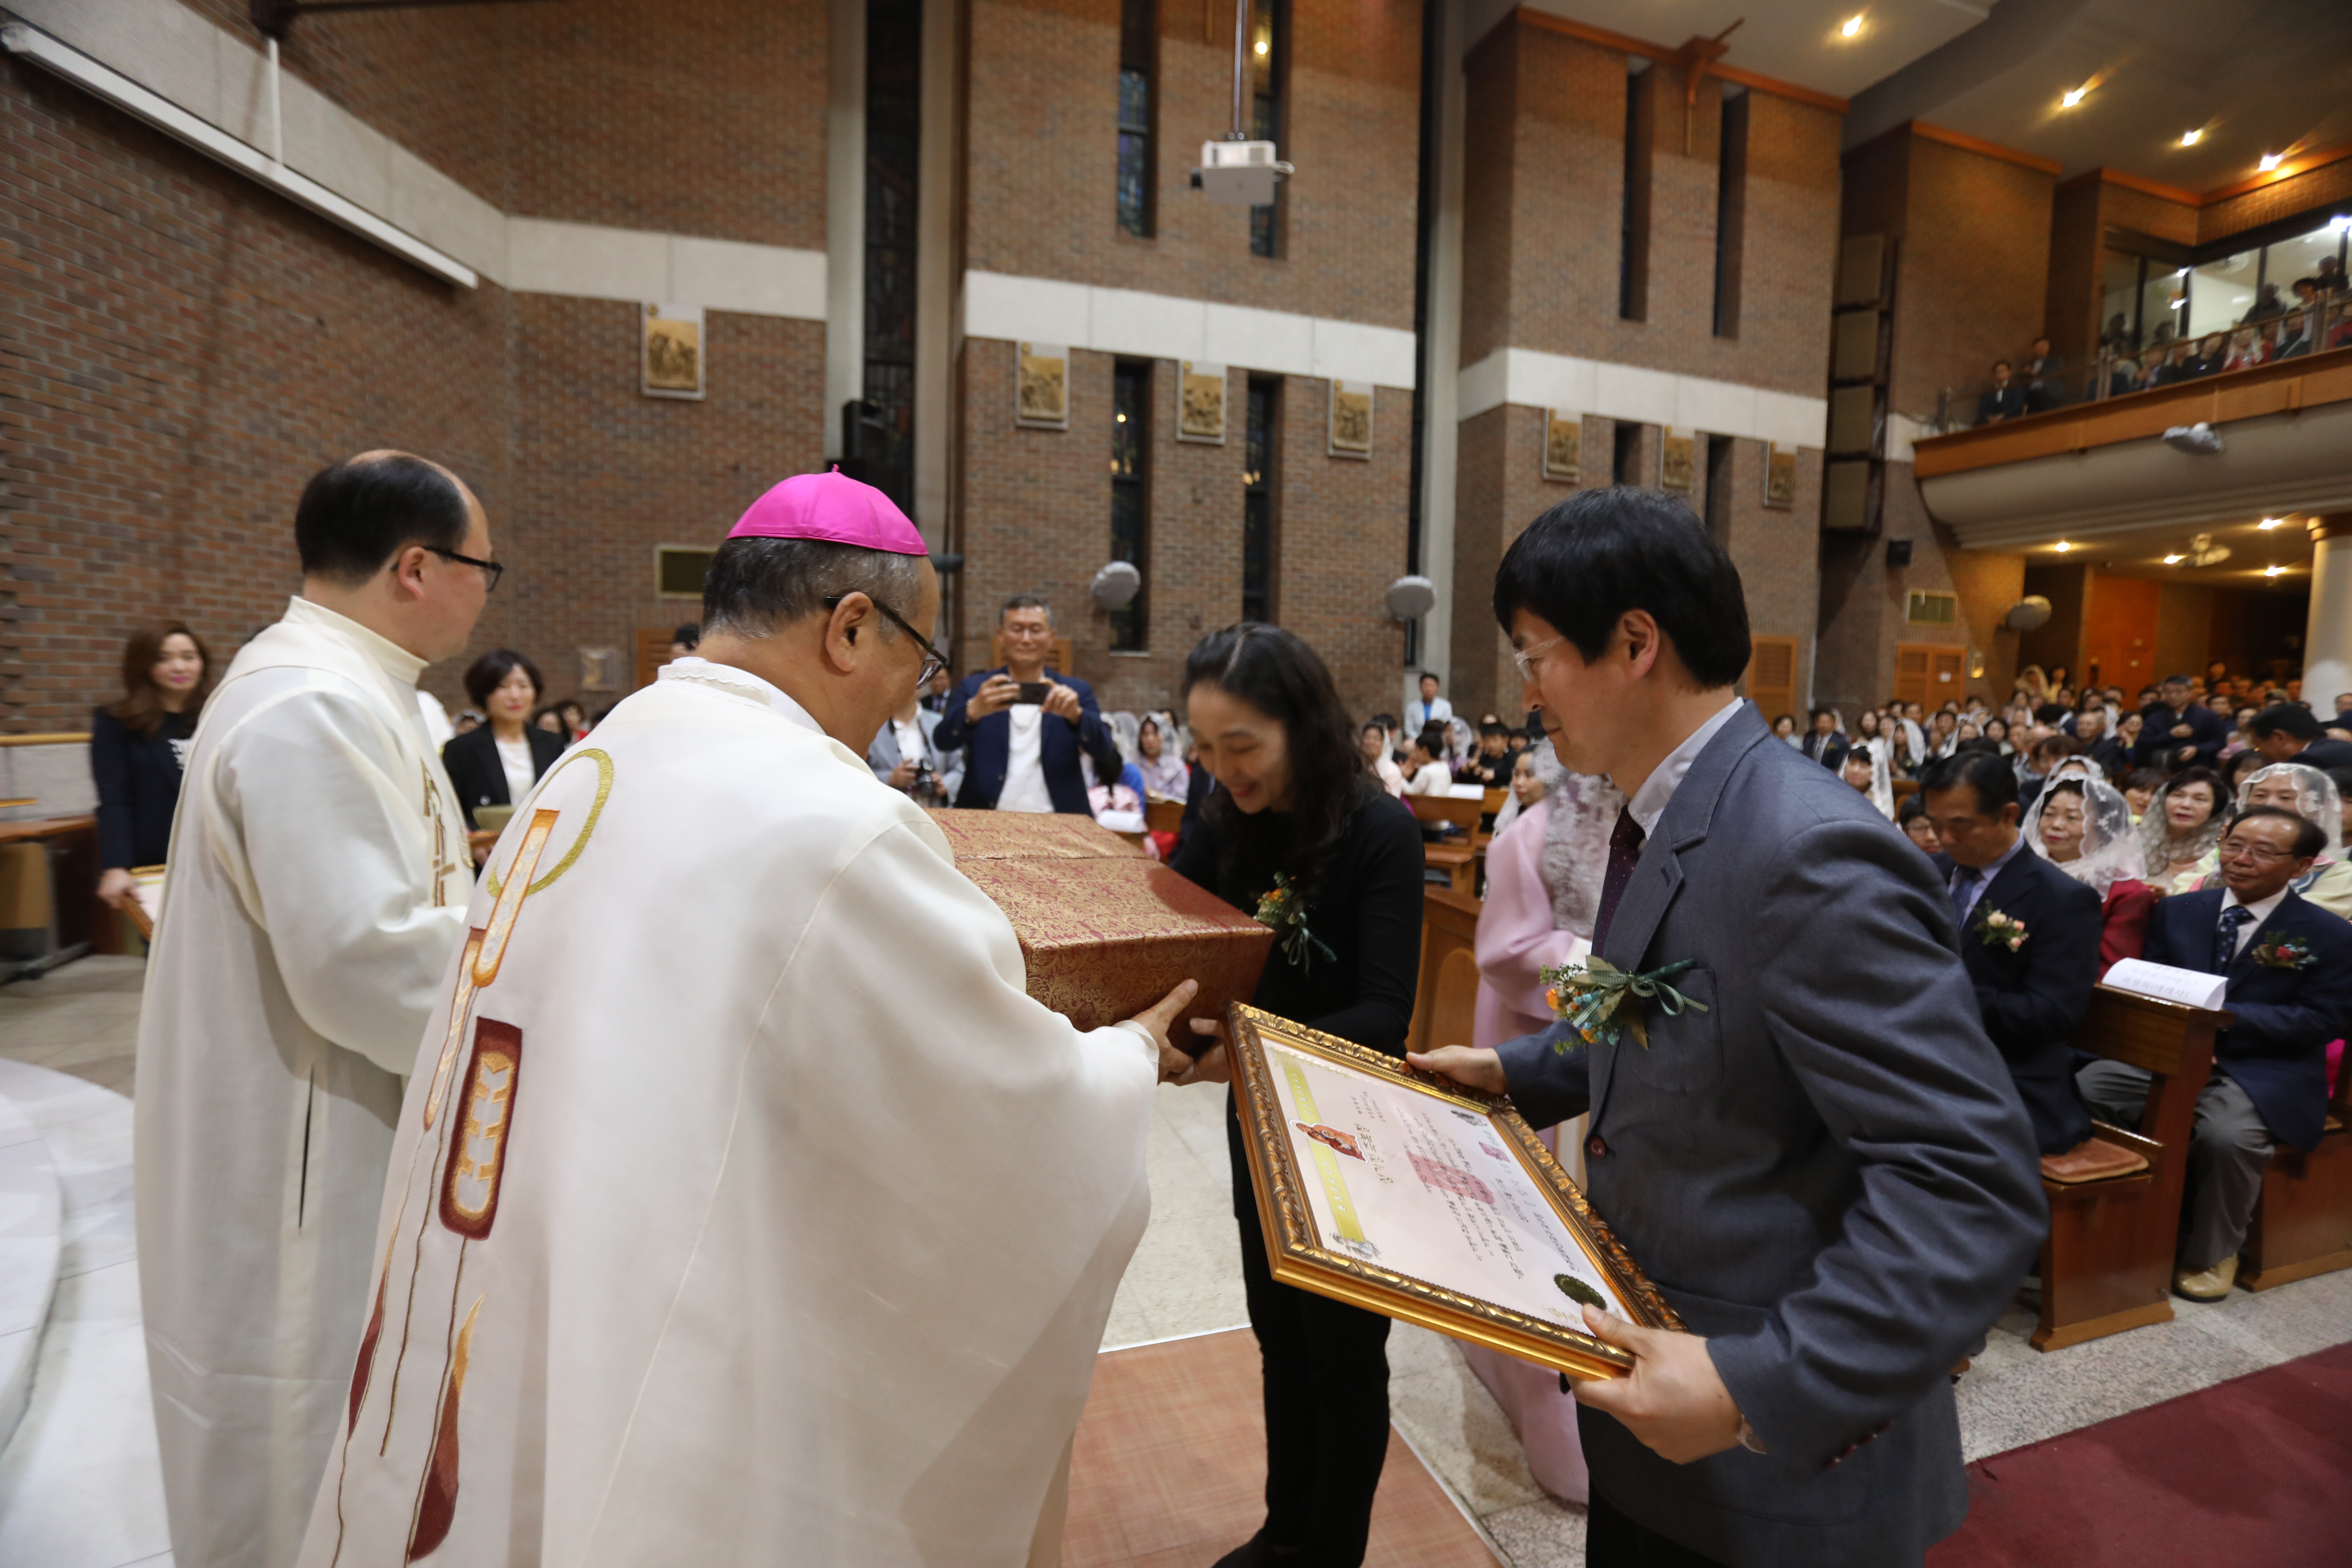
2269	161
2174	559
2062	547
2272	571
1261	45
2072	98
2190	138
2270	523
1852	26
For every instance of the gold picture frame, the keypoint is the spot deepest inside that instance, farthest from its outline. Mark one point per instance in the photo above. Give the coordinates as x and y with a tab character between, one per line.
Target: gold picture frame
1674	460
1352	419
1779	475
1041	387
1201	401
1348	1267
1563	445
671	351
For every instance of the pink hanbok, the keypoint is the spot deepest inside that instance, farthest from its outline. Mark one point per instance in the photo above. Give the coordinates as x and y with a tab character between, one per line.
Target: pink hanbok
1543	886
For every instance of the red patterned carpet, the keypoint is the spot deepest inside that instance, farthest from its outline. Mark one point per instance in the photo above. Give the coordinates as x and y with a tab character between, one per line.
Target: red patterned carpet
1169	1466
2257	1471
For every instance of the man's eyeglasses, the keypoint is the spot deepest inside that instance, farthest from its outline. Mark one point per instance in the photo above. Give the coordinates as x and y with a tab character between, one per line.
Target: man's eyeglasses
1526	657
491	570
2238	849
934	661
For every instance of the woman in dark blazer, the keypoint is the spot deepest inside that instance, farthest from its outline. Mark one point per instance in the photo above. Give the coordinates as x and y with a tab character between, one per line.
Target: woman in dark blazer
1293	801
136	748
496	762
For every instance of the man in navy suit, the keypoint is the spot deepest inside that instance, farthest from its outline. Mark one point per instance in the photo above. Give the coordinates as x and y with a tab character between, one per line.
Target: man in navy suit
2289	964
2177	731
2031	989
1827	1173
1024	756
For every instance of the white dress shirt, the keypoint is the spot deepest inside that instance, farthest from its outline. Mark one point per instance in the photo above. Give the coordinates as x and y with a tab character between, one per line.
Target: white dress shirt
1431	778
514	759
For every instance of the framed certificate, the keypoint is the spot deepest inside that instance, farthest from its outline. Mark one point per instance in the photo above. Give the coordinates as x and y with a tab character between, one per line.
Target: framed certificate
1414	1197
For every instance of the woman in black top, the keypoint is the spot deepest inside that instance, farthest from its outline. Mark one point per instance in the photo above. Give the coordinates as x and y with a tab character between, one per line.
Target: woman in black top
1293	802
496	762
137	748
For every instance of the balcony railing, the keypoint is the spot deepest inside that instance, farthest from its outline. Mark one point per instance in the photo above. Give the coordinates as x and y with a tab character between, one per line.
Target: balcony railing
2120	372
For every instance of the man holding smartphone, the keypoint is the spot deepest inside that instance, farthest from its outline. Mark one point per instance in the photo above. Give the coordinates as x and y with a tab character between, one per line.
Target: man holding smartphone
1024	726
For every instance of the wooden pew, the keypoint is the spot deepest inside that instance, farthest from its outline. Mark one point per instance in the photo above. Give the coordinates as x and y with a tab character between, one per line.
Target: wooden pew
1163	816
1459	858
2303	1222
1446	998
2108	1262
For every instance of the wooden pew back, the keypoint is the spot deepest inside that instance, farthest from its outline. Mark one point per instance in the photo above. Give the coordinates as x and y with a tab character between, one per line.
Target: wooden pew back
1445	1001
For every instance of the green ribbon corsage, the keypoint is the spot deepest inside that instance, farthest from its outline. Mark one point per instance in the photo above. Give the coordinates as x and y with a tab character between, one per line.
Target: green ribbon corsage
1592	998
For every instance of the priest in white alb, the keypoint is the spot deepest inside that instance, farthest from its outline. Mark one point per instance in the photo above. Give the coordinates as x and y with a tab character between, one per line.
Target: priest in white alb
316	894
745	1209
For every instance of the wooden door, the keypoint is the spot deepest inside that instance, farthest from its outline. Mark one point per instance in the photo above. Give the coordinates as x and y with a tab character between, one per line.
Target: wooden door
653	652
1928	673
1772	677
2120	631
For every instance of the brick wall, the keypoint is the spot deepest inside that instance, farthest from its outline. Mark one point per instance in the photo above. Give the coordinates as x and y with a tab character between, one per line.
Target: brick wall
184	349
2281	198
1973	272
1042	114
1035	510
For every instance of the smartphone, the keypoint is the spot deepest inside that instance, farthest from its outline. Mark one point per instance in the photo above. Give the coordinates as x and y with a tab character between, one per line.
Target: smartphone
1034	690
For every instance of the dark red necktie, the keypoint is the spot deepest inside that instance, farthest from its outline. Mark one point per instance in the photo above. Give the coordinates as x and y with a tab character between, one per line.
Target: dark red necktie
1624	854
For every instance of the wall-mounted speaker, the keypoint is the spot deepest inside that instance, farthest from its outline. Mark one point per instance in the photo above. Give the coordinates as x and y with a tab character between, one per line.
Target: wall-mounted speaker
1898	552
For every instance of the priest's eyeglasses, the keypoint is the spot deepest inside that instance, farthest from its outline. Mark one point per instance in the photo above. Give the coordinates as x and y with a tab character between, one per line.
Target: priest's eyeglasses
934	661
1527	660
491	570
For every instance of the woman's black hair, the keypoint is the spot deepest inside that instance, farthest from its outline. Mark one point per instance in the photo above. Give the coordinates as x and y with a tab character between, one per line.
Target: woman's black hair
487	673
2210	779
1278	674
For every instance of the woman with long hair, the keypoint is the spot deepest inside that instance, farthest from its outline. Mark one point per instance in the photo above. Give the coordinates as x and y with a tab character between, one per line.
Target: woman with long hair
138	746
1296	809
2179	831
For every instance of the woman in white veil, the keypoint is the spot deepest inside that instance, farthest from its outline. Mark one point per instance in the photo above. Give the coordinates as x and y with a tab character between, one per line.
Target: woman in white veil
2082	825
1543	889
2311	795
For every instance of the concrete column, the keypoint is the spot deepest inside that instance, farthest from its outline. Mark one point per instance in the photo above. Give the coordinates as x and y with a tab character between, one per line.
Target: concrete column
2327	639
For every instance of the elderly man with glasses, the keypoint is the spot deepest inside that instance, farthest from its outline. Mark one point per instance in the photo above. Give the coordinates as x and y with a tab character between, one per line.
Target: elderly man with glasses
2289	964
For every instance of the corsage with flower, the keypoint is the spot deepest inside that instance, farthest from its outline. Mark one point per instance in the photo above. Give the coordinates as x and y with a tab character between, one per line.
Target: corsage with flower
2285	952
1996	929
1601	1001
1282	911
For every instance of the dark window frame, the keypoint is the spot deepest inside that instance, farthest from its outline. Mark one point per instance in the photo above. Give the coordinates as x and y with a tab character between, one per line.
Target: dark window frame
1261	517
1139	117
1130	497
1270	115
1730	213
1633	217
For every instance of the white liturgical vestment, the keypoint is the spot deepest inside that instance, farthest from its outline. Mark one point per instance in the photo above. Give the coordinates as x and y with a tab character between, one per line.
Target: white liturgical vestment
317	892
745	1210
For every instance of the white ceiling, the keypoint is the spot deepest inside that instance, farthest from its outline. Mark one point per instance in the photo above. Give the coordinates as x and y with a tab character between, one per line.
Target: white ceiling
1795	40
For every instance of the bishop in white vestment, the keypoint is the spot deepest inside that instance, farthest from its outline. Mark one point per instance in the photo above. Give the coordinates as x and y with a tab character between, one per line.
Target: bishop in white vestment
317	893
744	1208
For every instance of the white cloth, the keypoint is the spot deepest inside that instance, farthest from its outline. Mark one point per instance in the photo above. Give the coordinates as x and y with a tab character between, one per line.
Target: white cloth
914	745
2230	901
1024	766
810	1221
438	731
1431	778
1649	801
515	761
318	889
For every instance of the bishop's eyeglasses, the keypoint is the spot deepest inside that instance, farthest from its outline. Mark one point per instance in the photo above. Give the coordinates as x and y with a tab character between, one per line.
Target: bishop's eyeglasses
934	661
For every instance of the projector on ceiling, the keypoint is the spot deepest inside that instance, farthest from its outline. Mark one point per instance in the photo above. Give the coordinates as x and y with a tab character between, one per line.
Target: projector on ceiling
1239	174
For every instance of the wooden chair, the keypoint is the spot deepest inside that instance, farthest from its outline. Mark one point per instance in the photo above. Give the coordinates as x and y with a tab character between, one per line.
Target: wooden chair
2303	1222
1484	834
2108	1262
1459	858
1445	1003
1903	790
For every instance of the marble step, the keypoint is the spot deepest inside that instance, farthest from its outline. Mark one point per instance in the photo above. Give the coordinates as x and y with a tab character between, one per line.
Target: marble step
32	1223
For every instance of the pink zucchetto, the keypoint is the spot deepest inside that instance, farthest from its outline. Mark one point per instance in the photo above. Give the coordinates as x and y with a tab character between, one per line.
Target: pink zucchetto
831	506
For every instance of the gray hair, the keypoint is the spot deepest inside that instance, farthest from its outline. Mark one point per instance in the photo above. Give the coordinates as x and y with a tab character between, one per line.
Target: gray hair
1025	602
757	585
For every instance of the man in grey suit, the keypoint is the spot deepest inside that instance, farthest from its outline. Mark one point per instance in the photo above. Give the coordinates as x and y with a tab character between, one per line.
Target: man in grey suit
907	746
1827	1172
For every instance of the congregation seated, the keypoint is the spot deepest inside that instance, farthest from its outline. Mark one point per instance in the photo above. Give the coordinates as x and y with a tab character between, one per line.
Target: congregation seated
2288	965
2028	935
2179	828
2312	796
1424	762
1375	743
2082	824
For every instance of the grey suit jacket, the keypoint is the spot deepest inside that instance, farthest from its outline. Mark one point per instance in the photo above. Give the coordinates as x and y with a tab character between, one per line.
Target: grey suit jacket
1829	1173
883	757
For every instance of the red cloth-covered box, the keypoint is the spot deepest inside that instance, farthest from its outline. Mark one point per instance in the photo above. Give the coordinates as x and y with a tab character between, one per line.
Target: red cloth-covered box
1105	930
